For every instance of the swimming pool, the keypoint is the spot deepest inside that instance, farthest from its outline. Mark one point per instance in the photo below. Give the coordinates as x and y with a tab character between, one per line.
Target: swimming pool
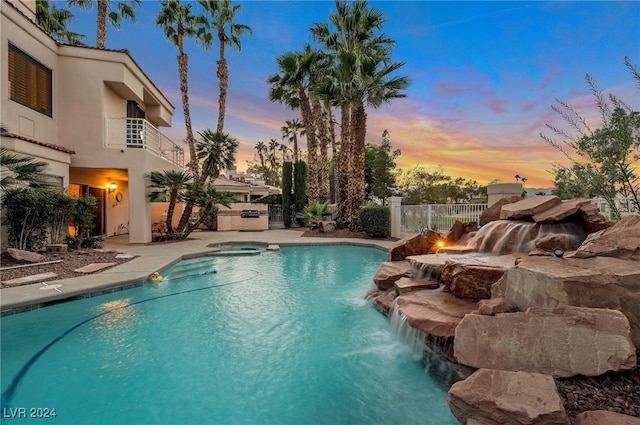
284	337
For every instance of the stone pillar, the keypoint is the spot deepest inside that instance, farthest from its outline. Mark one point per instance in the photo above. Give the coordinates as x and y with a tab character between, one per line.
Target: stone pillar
394	209
498	191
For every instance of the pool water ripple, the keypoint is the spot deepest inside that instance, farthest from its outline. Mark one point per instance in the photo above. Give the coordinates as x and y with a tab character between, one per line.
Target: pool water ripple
286	344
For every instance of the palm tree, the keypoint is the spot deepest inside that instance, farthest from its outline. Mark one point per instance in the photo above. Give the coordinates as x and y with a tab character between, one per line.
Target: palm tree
207	199
170	181
217	152
22	170
517	177
178	22
113	11
285	150
363	76
229	32
261	149
291	87
290	132
54	22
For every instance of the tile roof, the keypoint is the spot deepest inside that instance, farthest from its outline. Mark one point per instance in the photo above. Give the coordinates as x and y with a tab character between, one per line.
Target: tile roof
36	142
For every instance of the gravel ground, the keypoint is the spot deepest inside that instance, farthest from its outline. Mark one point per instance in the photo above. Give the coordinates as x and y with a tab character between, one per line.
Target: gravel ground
70	261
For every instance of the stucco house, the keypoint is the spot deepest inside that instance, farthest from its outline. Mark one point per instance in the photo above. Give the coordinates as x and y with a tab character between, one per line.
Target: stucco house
92	114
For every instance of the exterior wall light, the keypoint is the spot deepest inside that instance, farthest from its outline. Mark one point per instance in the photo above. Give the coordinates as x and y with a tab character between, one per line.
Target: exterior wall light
112	187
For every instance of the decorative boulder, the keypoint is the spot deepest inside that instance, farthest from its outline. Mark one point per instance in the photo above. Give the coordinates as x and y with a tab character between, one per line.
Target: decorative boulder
592	219
417	244
528	207
562	342
498	397
493	212
390	271
472	277
597	282
620	241
31	257
560	211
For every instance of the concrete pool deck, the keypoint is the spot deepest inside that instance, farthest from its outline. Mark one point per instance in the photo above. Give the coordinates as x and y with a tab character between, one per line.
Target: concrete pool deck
151	258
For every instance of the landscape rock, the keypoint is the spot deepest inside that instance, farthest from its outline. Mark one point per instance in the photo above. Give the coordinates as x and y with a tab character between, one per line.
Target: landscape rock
597	282
389	272
406	284
498	397
472	277
528	207
31	257
493	212
434	312
620	241
560	211
566	341
593	220
496	306
382	300
602	417
548	243
412	245
458	230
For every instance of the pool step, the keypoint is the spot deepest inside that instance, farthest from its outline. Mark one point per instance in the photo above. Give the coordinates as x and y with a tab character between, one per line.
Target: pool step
243	252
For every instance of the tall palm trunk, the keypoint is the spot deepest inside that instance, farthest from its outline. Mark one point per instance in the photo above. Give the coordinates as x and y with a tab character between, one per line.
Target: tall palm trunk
223	76
193	162
101	33
356	177
332	140
342	188
322	142
312	161
295	147
183	60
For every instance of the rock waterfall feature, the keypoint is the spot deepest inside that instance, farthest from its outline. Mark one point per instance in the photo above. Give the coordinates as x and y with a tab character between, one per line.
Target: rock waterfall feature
544	289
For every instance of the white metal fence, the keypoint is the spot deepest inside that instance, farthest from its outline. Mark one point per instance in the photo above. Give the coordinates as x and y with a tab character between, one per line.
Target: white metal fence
139	133
438	217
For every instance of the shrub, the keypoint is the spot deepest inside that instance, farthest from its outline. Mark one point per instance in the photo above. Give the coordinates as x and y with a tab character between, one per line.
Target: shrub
287	186
275	198
315	213
300	185
26	217
374	220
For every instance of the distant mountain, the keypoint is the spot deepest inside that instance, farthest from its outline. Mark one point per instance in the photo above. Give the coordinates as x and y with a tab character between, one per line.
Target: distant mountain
535	191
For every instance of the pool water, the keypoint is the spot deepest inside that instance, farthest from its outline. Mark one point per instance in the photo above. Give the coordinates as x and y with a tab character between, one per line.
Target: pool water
283	337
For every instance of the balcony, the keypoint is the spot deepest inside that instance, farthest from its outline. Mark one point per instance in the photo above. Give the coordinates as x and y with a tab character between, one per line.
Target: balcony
138	133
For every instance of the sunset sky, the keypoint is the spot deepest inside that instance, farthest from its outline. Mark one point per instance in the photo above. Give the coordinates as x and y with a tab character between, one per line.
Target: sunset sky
483	76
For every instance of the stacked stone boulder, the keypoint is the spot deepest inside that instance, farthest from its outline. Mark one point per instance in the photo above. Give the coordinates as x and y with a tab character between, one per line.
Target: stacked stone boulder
524	320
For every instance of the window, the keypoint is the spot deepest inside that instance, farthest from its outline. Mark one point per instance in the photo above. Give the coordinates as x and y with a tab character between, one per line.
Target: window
30	82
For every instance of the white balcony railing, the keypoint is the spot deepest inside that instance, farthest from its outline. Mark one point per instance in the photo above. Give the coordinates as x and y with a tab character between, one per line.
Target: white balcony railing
138	133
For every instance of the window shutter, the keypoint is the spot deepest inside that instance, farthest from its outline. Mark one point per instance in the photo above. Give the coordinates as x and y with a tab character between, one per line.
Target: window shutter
12	74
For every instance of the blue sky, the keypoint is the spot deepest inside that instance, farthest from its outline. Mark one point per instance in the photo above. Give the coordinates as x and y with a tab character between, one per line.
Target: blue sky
483	76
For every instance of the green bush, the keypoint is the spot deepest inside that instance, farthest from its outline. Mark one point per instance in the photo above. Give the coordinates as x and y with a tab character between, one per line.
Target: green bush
287	186
26	215
300	185
275	198
374	220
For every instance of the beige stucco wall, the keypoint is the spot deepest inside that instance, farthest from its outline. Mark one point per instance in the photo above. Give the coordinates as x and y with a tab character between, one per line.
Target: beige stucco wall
88	86
230	219
497	191
15	29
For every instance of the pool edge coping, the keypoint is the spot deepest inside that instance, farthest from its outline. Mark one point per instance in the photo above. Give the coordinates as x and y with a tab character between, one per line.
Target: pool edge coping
77	289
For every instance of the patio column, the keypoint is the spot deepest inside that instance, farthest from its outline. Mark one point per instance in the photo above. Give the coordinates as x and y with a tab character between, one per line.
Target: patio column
139	211
394	209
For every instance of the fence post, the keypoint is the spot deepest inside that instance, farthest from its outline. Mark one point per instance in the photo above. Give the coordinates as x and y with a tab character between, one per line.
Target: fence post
394	210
